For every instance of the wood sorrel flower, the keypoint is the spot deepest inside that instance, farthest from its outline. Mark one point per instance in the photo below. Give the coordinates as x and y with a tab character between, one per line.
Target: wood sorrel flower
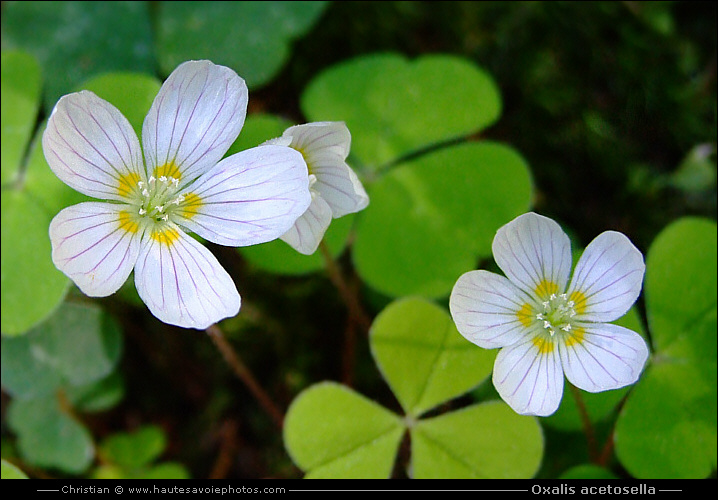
547	329
335	188
182	184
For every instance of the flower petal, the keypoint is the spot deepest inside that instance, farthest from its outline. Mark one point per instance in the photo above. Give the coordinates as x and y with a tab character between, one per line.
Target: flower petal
96	245
529	378
307	232
340	187
195	117
599	357
535	254
181	282
250	197
489	310
607	279
325	146
321	137
92	147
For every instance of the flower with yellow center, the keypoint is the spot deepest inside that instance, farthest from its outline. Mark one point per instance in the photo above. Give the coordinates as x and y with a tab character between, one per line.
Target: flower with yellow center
181	185
546	326
335	188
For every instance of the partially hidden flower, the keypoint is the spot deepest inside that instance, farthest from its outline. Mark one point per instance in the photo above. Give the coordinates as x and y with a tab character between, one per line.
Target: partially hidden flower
182	185
547	326
335	188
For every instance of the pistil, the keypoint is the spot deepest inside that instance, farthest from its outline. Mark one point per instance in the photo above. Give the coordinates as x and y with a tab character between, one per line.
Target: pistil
557	313
158	197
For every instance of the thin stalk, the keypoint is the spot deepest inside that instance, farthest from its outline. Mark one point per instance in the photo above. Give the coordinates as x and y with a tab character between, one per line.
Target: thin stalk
244	374
348	296
586	421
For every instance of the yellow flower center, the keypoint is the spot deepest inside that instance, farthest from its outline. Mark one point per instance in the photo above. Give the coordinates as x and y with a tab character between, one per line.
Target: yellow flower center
558	312
554	313
156	201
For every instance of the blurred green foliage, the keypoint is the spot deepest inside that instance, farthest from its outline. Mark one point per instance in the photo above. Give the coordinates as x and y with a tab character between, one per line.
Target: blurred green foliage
610	106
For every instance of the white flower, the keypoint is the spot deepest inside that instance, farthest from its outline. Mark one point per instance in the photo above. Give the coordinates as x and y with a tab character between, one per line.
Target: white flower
182	184
335	188
547	329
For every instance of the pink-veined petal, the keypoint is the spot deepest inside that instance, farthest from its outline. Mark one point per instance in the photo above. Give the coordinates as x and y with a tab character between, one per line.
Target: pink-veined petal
92	147
603	356
248	198
326	137
325	146
181	282
528	376
534	253
340	187
607	279
195	117
489	310
96	245
307	232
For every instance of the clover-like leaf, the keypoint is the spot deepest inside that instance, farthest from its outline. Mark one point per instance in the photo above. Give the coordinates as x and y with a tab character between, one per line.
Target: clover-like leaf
252	38
9	471
48	436
165	470
26	370
78	345
74	40
423	357
97	396
667	428
134	449
681	289
430	219
31	285
487	440
394	106
332	432
21	84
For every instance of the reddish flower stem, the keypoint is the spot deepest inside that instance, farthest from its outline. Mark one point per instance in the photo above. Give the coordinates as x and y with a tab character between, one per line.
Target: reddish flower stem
587	426
244	374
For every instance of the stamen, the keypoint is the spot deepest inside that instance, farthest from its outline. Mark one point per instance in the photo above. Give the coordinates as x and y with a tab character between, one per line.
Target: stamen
557	313
158	197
